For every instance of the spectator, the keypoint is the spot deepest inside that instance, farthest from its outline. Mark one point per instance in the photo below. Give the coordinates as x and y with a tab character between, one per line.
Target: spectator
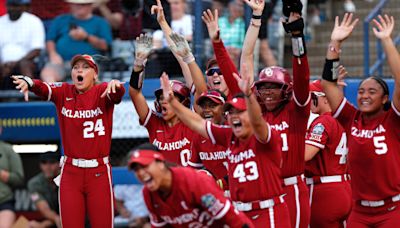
22	42
124	16
11	175
77	32
266	53
233	29
149	22
130	205
44	192
49	10
181	23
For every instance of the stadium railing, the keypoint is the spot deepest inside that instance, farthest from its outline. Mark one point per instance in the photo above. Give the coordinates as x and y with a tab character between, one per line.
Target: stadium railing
377	66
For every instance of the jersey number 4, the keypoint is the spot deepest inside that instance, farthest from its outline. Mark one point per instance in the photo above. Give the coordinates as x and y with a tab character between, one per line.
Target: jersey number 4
342	149
242	175
90	128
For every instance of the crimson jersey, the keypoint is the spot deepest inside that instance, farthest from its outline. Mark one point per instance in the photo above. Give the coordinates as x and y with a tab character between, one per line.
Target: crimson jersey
328	135
291	124
174	142
195	201
253	167
85	119
207	155
374	156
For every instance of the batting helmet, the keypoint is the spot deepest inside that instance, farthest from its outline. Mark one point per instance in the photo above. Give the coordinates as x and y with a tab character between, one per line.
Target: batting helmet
276	75
180	90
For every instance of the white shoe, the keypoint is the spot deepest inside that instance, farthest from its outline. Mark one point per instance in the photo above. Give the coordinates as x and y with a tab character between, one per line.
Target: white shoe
349	7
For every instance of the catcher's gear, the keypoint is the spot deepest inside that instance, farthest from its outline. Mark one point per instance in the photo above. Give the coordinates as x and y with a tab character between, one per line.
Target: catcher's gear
276	75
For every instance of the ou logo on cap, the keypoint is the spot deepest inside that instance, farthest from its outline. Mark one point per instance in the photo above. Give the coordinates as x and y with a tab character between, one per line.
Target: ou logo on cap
268	72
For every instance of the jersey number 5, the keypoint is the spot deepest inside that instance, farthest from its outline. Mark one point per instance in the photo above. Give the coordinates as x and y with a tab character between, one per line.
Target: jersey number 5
241	174
380	145
91	128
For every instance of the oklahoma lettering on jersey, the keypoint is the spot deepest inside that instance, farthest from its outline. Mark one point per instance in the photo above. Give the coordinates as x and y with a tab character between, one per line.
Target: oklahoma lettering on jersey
85	119
328	135
195	201
207	155
254	167
291	124
174	142
374	156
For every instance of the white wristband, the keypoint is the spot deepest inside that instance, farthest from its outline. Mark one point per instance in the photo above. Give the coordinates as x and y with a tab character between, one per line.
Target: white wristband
188	59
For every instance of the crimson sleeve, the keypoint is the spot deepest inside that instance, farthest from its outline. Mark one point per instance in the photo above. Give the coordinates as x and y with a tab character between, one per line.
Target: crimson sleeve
301	78
219	134
195	160
345	114
227	67
41	89
317	134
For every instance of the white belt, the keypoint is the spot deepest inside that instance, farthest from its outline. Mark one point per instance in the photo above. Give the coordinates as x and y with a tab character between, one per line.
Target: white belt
326	179
84	163
240	206
292	180
367	203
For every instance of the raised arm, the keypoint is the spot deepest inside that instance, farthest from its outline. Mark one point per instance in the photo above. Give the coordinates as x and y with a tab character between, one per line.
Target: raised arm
247	57
187	116
383	31
158	9
330	76
225	63
142	50
180	47
260	127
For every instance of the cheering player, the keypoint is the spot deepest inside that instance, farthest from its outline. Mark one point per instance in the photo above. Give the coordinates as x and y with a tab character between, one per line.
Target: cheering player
373	130
85	112
181	197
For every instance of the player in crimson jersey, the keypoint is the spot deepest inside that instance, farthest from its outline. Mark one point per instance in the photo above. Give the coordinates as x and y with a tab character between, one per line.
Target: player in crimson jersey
165	129
373	130
255	159
326	159
205	154
85	112
285	104
181	197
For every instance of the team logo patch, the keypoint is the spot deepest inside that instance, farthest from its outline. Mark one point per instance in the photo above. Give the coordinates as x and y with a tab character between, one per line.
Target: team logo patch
208	200
318	129
55	84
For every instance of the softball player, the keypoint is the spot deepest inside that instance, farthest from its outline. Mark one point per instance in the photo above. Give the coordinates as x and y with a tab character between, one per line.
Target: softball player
182	197
373	130
85	111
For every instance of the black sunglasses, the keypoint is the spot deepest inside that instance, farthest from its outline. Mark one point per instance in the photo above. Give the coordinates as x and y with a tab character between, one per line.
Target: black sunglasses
211	71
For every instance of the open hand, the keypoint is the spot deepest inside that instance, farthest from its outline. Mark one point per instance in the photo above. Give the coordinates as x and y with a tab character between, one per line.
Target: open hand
384	27
168	94
211	21
112	87
343	30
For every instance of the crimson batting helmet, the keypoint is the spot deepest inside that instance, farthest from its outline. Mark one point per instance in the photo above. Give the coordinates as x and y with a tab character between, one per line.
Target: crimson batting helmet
277	75
180	90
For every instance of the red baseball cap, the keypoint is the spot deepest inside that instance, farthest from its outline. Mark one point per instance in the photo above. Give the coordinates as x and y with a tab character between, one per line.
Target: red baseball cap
144	157
238	103
213	95
316	88
89	59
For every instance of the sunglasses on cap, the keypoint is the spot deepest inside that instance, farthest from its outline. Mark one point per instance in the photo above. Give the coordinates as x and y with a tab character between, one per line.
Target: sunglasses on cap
212	71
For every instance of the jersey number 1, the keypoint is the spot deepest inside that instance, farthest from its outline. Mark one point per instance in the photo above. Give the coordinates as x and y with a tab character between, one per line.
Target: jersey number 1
91	128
